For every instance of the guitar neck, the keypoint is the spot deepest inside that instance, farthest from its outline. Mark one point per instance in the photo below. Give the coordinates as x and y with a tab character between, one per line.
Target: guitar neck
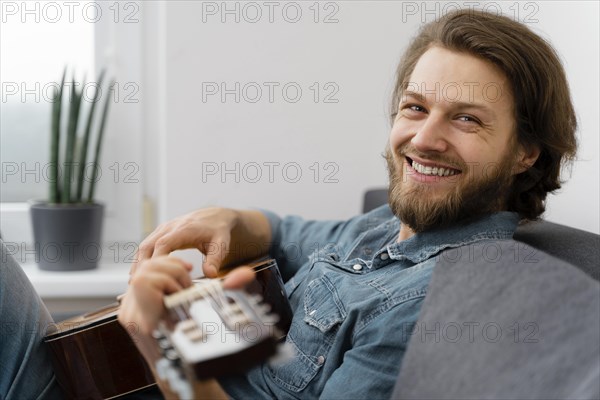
212	332
268	284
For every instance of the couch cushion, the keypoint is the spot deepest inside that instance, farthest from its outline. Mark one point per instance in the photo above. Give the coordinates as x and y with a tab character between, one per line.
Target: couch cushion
500	323
575	246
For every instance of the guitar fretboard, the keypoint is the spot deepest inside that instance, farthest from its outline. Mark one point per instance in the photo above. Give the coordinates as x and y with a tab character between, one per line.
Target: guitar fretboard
231	311
212	331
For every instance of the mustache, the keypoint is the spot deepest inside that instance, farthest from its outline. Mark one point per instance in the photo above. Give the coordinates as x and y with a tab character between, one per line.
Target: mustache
408	148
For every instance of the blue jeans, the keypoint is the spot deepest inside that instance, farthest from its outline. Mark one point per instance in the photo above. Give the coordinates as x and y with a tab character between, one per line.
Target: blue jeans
24	360
26	370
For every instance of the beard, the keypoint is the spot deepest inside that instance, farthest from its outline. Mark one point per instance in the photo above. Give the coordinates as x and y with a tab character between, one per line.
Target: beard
421	207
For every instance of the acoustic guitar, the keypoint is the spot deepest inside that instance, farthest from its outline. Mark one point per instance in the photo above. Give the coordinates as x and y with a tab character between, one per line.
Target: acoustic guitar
94	356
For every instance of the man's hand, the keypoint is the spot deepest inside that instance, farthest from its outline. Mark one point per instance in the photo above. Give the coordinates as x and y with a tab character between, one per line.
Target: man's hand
143	304
142	308
213	231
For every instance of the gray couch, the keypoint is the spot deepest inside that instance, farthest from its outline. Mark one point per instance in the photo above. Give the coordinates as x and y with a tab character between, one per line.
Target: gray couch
515	319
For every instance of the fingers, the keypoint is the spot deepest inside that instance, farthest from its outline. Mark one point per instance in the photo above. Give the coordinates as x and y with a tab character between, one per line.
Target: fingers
216	251
175	240
143	304
161	242
238	278
144	252
167	274
210	271
208	230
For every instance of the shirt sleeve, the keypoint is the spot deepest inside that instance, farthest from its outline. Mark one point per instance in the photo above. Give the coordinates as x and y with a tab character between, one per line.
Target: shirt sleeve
294	238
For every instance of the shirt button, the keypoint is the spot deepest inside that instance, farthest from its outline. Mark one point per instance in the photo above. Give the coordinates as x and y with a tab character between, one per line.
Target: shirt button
320	360
357	267
384	256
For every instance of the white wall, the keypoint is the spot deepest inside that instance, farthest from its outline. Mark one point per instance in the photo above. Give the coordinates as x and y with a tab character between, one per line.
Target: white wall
573	29
358	55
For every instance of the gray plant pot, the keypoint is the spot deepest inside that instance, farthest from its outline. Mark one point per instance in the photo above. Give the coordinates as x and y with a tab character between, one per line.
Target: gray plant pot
67	237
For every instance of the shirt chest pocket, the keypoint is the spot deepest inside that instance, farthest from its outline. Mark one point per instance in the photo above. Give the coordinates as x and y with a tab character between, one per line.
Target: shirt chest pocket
311	335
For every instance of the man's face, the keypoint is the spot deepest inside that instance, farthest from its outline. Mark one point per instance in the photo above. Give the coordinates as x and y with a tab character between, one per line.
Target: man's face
452	151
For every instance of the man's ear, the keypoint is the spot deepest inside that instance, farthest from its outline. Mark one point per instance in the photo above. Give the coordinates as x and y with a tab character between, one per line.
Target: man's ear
527	155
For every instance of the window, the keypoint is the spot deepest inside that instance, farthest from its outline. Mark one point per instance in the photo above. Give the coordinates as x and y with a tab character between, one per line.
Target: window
37	40
33	55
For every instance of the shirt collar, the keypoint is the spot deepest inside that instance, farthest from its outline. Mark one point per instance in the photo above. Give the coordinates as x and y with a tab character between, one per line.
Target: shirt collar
421	246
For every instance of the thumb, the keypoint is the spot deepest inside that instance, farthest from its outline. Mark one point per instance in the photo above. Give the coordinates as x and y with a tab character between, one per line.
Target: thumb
215	253
239	277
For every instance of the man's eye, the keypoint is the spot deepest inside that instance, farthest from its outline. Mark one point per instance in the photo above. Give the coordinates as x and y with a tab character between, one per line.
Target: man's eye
468	118
414	107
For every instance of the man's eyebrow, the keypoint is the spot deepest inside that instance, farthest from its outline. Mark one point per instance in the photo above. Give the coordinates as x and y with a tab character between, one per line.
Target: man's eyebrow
458	104
408	93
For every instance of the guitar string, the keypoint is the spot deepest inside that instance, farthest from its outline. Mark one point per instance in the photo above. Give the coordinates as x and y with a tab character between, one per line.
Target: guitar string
181	308
212	291
217	294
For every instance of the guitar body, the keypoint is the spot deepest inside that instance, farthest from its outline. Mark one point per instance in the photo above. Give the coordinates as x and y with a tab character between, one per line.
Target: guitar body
95	358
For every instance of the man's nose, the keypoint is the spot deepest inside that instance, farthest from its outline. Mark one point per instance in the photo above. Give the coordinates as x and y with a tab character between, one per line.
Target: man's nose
431	135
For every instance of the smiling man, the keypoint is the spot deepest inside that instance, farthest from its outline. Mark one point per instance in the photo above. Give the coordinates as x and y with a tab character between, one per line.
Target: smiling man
455	141
482	122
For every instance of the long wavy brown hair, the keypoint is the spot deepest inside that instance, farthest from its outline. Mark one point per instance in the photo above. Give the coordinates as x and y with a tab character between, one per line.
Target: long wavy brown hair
544	112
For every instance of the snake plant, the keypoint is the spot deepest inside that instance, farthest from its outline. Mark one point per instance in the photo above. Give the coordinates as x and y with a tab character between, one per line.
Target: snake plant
69	188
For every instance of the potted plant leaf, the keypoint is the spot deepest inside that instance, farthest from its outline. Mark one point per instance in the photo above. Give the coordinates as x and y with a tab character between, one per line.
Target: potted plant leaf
67	228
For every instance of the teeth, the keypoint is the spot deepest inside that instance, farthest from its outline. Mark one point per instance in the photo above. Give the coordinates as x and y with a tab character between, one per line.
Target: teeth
439	171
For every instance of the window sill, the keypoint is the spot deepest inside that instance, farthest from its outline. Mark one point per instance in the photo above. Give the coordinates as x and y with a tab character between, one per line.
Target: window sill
108	280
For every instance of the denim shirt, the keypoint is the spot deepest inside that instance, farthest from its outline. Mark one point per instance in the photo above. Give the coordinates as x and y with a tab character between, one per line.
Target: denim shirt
356	294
